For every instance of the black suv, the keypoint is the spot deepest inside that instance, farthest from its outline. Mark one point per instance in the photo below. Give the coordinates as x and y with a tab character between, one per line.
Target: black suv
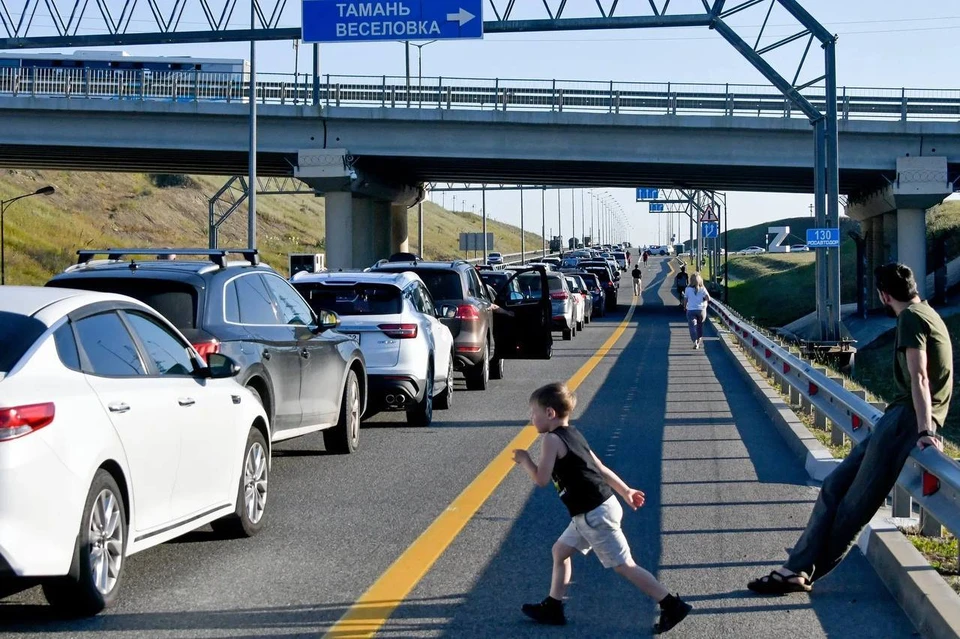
483	338
308	376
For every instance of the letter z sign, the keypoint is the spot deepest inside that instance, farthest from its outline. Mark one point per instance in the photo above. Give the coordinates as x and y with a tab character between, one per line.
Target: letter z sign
357	21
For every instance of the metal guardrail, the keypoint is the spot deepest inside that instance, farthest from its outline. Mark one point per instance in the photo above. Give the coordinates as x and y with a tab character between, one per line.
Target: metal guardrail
651	98
929	478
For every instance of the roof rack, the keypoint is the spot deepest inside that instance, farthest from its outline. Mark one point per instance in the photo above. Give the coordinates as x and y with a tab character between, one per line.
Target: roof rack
217	256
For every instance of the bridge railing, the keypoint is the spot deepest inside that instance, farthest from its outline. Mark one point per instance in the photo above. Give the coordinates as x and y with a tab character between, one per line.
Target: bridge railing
929	478
742	100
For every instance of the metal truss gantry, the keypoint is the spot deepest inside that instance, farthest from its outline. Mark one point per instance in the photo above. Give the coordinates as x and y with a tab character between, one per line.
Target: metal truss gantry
77	23
235	192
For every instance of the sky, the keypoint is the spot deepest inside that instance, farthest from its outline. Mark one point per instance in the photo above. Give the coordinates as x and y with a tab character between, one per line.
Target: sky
882	43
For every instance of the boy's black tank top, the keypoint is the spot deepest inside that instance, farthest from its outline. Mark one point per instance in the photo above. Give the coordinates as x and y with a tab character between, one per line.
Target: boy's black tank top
576	476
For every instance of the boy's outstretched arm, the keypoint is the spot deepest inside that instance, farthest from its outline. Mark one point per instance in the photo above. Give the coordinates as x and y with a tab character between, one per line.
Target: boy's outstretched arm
633	497
540	473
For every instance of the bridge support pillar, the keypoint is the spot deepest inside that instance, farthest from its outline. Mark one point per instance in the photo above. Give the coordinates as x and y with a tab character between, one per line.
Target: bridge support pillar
399	231
877	258
912	245
890	251
358	231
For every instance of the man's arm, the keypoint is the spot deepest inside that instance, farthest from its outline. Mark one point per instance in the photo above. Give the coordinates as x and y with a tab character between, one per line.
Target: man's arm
920	391
540	473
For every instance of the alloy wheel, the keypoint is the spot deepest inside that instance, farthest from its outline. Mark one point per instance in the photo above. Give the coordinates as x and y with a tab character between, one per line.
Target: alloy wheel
255	483
106	541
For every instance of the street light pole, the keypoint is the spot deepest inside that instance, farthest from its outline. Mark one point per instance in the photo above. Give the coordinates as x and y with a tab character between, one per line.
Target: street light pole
543	220
46	190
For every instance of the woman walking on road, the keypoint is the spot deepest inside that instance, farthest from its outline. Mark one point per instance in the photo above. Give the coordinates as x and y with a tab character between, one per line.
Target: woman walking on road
696	298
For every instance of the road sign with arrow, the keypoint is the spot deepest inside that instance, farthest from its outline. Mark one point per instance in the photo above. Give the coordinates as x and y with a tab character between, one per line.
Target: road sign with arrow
709	215
358	21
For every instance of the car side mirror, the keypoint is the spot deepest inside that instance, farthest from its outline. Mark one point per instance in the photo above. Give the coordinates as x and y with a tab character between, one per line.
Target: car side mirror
326	321
219	366
447	312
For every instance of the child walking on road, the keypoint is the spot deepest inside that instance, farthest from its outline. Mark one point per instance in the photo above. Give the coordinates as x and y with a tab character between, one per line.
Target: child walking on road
587	489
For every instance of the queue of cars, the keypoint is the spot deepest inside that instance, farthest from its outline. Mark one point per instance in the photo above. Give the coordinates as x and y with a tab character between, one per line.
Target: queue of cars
177	370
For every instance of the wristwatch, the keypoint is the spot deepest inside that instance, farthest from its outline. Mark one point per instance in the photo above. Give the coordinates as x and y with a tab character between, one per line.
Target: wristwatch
926	433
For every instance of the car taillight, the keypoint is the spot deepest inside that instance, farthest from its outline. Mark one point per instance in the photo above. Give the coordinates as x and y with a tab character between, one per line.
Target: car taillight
22	420
561	295
207	347
467	312
399	331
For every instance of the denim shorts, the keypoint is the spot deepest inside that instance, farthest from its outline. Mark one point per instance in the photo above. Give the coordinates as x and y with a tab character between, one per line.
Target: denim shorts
599	530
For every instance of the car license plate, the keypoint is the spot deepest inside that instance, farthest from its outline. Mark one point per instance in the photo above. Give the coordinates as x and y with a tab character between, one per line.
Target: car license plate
354	336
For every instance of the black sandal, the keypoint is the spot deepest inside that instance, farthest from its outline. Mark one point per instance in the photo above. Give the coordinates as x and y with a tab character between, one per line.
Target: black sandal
777	584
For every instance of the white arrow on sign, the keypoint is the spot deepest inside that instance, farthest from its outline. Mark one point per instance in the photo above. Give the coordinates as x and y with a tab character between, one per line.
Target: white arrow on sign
462	17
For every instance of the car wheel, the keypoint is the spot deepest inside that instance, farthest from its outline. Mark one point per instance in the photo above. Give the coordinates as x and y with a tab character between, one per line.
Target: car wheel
496	368
99	557
344	438
580	325
478	376
444	400
567	335
252	491
422	413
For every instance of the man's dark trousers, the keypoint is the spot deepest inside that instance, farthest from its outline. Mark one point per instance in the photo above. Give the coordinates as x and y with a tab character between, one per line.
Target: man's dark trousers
853	493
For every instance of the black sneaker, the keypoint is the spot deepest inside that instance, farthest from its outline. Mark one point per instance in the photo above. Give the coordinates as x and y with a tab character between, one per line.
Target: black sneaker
672	611
549	612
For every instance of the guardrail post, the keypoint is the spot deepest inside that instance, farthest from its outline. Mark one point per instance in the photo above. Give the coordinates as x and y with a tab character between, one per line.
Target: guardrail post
610	109
196	85
449	97
393	97
553	97
383	94
669	99
560	101
229	89
902	502
903	105
617	103
33	82
837	436
929	525
283	93
496	94
845	111
336	94
795	398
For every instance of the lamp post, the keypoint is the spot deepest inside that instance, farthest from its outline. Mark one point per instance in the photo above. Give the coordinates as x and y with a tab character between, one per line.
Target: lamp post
46	190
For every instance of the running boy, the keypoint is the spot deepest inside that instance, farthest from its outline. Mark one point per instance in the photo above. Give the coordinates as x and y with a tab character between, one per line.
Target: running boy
586	488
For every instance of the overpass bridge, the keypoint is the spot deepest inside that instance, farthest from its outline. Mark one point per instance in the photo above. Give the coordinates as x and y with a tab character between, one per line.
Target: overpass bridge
368	142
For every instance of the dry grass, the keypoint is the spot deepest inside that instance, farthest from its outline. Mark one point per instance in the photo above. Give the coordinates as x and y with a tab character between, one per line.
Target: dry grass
99	210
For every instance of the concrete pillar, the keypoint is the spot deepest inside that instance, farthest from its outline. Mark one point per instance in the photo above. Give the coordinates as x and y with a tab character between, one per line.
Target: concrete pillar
890	251
912	244
879	259
358	231
399	234
339	230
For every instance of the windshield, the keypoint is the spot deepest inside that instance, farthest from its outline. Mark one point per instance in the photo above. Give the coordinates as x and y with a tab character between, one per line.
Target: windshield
360	299
17	335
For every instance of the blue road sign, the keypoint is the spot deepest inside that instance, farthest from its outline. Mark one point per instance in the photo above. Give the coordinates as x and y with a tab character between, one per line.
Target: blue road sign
644	195
656	208
709	230
357	21
823	238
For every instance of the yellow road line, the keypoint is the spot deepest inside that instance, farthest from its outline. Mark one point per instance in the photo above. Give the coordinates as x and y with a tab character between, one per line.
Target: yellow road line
373	608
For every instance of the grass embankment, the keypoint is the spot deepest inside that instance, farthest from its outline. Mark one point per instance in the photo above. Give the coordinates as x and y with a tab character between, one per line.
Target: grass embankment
99	210
774	289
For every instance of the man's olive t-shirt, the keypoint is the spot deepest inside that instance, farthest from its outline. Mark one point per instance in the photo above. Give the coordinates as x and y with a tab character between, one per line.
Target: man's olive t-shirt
919	326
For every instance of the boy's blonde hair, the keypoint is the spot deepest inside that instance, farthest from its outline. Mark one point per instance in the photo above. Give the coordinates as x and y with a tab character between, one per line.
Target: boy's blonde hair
696	281
556	396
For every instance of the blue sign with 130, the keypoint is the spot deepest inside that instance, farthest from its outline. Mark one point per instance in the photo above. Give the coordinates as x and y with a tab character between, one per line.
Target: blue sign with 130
823	238
358	21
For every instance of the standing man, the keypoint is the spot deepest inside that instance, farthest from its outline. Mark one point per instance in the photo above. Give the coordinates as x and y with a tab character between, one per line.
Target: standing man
855	490
646	256
637	277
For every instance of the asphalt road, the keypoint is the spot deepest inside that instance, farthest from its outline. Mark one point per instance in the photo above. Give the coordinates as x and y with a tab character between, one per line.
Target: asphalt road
724	500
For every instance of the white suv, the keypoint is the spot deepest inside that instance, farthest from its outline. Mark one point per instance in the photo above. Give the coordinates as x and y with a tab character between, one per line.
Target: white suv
114	437
409	352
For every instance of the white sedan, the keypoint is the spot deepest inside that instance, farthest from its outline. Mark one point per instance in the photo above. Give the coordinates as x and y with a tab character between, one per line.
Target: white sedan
752	250
114	437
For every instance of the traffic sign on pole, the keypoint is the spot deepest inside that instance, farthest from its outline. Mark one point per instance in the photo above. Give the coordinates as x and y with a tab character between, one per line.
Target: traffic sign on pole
645	195
656	208
823	238
709	230
709	215
359	21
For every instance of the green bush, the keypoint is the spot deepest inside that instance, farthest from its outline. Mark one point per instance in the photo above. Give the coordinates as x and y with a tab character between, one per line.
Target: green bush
171	180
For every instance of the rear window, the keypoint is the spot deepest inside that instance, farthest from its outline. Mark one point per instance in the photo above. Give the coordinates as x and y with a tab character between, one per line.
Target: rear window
174	300
556	284
602	274
443	285
17	334
360	299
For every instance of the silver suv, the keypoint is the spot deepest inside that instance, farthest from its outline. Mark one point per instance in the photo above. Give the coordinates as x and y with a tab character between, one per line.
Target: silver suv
409	352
